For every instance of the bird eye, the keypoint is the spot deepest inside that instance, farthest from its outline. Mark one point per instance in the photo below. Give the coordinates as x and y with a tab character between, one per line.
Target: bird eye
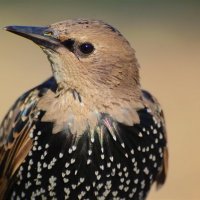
86	48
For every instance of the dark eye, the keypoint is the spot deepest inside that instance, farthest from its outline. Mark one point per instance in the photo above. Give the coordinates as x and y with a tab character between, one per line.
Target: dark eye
86	48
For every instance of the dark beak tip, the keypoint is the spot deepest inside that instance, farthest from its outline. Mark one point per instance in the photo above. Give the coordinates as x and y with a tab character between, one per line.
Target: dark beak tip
5	28
8	28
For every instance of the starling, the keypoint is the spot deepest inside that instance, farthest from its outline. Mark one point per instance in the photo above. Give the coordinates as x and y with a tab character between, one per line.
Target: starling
89	131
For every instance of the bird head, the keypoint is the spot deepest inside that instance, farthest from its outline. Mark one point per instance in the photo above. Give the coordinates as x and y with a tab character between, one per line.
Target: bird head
86	54
91	58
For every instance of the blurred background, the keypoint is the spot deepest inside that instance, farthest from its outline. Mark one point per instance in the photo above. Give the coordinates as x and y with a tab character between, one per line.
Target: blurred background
166	36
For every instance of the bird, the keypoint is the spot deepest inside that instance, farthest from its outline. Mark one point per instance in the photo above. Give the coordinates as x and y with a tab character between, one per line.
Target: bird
88	132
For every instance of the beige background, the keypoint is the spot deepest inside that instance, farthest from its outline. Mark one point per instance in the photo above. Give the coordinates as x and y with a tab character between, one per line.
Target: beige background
166	36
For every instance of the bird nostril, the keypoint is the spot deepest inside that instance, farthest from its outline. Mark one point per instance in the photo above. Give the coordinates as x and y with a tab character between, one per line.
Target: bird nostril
48	33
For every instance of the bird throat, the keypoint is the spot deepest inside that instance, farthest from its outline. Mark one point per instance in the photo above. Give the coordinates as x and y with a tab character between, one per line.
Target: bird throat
72	111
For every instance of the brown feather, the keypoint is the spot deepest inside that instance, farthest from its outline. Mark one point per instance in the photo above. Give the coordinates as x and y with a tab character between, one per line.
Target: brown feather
14	146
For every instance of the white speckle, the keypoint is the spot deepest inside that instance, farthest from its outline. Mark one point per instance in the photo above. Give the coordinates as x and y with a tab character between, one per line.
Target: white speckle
96	173
121	180
125	169
30	153
29	167
28	175
143	129
82	179
66	180
126	189
87	188
39	133
67	191
102	156
154	158
120	173
34	148
143	184
118	165
73	147
139	148
128	181
102	167
23	194
70	150
113	172
155	131
134	190
126	174
121	187
99	186
88	161
148	110
140	134
27	185
96	193
114	137
67	165
98	177
160	136
114	193
136	181
44	165
146	170
131	195
89	152
111	158
109	184
132	151
92	139
123	145
108	164
36	138
30	162
39	148
61	155
73	186
67	172
72	160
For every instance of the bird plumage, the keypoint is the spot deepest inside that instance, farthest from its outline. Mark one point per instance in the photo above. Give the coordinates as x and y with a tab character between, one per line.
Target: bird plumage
63	140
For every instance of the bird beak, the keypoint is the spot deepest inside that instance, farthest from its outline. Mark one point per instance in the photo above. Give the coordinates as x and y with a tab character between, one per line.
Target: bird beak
42	36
